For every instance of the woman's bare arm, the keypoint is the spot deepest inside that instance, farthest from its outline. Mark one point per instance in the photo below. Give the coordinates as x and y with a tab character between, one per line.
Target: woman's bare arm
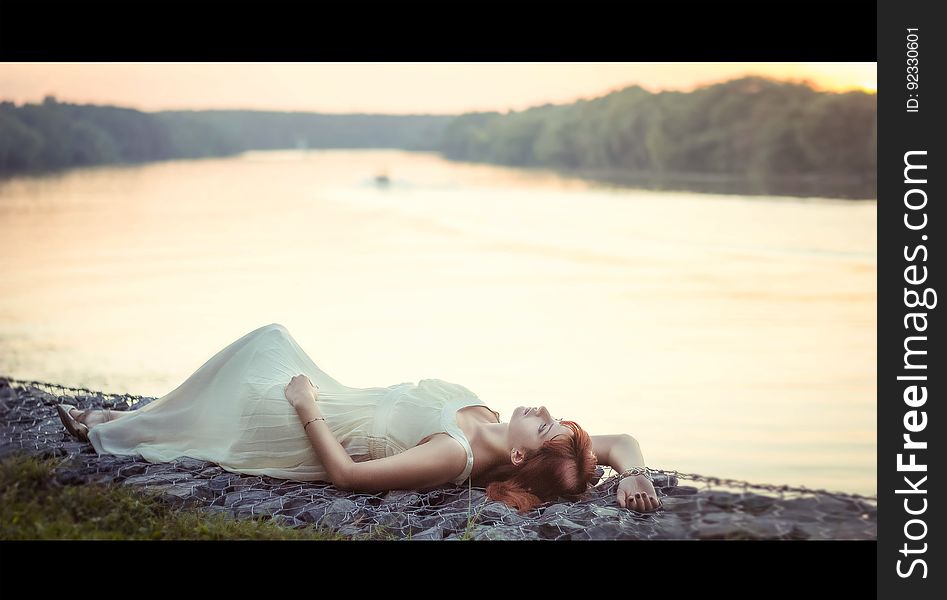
620	451
330	452
429	465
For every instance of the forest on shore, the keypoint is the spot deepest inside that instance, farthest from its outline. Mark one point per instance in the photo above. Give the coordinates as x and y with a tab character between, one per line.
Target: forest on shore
747	127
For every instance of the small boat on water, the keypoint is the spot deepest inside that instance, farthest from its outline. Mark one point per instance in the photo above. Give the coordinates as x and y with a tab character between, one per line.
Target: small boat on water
382	179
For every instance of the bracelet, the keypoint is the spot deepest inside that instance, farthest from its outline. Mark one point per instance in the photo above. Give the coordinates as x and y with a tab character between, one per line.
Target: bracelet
311	420
637	471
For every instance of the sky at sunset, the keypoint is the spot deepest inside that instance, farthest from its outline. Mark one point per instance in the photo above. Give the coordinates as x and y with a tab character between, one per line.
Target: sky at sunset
393	88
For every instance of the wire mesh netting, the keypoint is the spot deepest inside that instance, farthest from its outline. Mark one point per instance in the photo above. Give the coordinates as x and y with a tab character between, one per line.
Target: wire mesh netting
693	506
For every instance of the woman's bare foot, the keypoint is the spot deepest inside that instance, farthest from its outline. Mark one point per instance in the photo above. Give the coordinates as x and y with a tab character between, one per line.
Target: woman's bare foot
91	417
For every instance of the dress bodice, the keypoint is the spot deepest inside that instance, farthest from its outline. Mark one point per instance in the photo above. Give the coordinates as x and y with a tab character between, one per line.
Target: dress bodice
411	412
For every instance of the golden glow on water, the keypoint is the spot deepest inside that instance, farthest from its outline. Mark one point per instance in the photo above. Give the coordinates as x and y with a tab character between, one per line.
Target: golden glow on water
734	336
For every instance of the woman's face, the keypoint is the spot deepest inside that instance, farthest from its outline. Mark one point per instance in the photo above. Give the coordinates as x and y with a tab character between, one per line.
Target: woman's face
531	426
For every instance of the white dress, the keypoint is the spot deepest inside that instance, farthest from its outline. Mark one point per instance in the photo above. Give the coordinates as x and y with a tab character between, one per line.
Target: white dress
232	411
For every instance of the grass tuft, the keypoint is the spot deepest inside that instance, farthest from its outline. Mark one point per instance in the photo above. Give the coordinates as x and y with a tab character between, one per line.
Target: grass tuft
35	506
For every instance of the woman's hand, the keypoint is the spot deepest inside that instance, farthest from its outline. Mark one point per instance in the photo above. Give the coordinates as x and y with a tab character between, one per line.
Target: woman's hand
637	493
301	390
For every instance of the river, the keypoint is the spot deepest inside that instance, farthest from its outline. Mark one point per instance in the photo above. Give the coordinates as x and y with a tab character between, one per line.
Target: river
732	335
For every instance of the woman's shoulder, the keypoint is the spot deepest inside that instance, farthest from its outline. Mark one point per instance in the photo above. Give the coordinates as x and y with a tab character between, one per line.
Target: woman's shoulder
442	441
444	445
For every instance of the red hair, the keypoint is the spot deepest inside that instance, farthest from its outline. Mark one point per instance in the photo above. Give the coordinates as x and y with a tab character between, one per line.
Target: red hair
561	467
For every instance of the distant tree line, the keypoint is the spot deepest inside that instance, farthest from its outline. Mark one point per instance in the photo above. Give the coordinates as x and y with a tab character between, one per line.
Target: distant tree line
748	126
55	135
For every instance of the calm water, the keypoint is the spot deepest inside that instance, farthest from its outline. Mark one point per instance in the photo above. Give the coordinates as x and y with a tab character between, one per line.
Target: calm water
734	336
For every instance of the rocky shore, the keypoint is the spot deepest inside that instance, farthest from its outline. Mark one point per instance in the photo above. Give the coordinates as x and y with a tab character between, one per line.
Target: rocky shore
29	424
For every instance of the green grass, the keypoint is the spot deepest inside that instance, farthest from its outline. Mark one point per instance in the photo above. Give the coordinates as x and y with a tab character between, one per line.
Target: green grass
34	506
471	522
471	518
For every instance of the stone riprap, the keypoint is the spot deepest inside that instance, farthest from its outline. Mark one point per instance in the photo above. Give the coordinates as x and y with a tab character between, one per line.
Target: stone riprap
30	425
